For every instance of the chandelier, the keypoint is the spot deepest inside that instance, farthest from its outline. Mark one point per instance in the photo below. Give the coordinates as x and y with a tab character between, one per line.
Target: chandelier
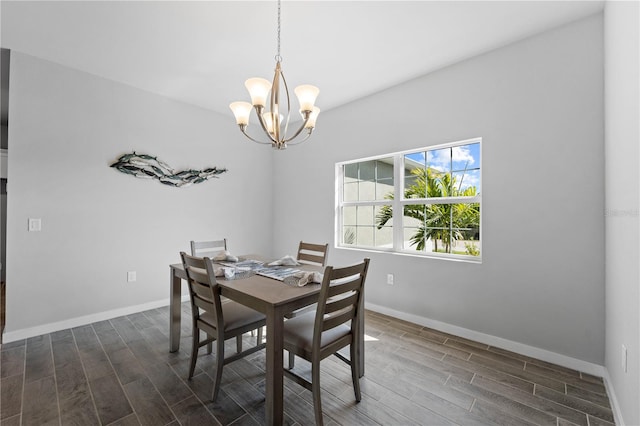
273	123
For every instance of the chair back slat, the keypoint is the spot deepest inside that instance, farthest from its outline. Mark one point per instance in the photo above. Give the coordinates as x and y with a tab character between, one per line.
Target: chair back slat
313	254
336	320
339	304
341	287
208	248
345	288
202	303
204	292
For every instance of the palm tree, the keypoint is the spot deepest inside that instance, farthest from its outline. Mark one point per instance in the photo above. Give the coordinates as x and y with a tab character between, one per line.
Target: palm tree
442	222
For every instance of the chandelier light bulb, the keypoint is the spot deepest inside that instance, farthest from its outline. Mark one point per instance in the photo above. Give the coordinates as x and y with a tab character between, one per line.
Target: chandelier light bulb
307	95
259	89
242	111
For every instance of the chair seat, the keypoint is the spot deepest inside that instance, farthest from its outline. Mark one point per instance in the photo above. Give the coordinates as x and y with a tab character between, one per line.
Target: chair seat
298	332
235	316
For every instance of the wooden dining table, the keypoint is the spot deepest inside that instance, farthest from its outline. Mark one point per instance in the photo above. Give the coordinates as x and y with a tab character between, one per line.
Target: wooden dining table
275	299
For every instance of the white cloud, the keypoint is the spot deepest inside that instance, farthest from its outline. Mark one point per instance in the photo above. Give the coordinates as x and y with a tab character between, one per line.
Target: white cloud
462	153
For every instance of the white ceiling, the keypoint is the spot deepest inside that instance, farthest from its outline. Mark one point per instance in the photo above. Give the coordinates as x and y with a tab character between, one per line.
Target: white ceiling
201	52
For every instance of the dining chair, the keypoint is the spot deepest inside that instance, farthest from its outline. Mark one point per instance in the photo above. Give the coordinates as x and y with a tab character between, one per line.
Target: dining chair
313	254
220	321
334	325
208	248
309	254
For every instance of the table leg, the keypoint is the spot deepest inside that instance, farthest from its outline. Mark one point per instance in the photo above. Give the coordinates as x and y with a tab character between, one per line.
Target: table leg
175	301
274	380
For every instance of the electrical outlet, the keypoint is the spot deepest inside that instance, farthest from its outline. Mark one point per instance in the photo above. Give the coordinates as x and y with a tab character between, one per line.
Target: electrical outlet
390	279
35	225
131	276
624	358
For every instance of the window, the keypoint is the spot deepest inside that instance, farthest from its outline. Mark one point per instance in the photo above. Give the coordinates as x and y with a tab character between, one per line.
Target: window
438	190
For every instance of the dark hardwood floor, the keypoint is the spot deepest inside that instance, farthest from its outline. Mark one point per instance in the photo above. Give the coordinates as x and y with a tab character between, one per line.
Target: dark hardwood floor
120	372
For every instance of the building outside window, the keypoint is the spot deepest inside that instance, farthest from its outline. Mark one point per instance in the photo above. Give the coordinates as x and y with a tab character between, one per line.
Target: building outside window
437	189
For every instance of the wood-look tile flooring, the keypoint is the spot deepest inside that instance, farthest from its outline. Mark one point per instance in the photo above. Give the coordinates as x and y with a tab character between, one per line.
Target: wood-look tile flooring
120	372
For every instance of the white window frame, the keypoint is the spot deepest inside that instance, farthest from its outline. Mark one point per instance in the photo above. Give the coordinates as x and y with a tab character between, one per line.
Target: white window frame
398	204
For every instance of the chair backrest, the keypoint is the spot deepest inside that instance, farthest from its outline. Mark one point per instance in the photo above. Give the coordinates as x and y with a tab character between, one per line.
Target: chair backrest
208	248
341	298
313	254
204	292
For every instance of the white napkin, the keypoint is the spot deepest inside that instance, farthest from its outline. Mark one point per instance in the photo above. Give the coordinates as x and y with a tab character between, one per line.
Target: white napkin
287	260
219	271
305	278
225	255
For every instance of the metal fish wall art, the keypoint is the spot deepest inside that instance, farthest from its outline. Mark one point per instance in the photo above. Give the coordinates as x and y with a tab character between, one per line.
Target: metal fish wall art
149	167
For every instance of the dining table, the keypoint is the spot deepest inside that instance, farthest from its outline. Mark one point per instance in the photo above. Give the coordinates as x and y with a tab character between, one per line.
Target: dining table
275	299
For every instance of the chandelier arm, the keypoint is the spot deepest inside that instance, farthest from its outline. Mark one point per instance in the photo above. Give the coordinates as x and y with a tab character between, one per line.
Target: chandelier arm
244	132
307	116
289	143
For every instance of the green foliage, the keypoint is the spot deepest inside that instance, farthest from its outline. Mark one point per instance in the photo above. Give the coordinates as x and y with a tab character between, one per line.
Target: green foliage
472	249
439	222
349	237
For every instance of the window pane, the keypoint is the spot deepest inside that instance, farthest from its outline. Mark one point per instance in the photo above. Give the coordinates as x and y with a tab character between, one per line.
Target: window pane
384	168
384	189
465	157
349	216
364	236
384	216
466	184
412	238
349	235
350	172
414	172
439	160
384	178
367	170
384	237
350	192
438	240
367	190
466	229
365	216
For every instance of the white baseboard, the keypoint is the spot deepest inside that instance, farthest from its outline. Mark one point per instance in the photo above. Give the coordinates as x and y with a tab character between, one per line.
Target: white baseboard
541	354
25	333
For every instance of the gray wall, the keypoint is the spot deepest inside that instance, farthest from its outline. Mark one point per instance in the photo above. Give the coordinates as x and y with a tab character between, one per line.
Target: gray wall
622	107
538	105
66	128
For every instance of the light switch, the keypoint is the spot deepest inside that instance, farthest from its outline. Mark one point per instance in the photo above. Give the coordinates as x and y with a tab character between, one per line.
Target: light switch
35	225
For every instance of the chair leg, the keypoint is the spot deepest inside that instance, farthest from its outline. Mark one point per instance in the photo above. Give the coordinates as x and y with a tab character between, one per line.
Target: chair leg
315	390
259	335
355	370
292	360
219	365
194	350
239	343
209	346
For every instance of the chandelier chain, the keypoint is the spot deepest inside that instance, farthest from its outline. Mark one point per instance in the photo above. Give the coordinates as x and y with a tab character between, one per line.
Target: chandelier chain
278	57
